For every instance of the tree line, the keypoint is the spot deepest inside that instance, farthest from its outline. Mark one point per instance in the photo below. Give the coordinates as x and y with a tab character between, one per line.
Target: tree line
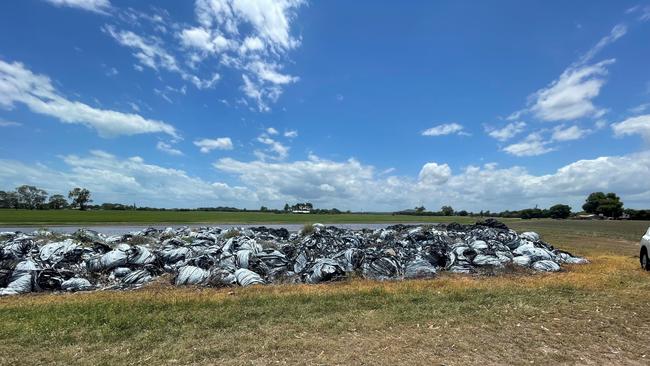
605	205
33	198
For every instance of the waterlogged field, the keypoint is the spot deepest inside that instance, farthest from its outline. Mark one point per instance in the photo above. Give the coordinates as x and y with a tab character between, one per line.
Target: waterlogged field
592	314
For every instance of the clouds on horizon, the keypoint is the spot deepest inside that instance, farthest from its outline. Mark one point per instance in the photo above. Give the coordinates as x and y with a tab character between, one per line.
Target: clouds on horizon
347	184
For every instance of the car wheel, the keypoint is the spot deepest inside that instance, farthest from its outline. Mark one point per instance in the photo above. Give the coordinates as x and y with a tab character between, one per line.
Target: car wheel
645	261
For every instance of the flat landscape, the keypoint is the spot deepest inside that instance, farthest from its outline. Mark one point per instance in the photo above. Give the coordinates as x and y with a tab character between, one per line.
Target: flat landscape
590	314
9	217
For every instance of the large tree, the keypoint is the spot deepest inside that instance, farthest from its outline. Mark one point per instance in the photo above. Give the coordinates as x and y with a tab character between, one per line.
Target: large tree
447	210
31	197
12	200
4	199
609	204
79	197
57	202
559	211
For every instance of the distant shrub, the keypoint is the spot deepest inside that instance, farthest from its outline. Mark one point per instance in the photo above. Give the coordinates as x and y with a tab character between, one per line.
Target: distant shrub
231	234
307	229
141	240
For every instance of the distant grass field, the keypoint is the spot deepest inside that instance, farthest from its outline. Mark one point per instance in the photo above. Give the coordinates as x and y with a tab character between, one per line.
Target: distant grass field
75	217
590	314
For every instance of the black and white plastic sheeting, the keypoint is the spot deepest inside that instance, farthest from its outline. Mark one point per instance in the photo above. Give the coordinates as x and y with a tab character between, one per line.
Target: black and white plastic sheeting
210	256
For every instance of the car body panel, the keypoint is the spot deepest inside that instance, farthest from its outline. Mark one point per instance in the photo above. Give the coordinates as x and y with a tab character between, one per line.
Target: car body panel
645	244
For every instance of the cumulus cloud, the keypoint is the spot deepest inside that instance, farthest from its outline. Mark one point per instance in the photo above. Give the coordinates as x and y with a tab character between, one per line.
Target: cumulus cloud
316	180
220	143
347	184
444	129
96	6
352	185
168	149
507	132
563	133
20	85
111	179
639	125
434	174
533	145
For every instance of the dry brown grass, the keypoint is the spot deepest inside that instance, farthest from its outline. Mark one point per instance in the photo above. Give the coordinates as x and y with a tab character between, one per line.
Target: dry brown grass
593	314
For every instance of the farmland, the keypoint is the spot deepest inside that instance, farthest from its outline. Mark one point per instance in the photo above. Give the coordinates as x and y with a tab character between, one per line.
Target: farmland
594	313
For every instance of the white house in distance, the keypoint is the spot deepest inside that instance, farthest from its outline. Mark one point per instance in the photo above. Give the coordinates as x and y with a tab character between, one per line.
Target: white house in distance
302	208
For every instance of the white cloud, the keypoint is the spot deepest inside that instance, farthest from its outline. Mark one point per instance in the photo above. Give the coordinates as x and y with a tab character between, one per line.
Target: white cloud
220	143
532	145
320	181
96	6
617	32
269	19
291	134
250	36
150	53
639	125
281	151
112	72
20	85
251	44
167	148
570	96
4	123
130	180
260	93
346	184
562	133
444	129
269	72
434	174
352	185
508	131
640	108
271	131
202	39
134	106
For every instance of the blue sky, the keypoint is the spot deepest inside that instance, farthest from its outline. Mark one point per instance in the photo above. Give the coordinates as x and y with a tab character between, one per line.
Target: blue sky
355	105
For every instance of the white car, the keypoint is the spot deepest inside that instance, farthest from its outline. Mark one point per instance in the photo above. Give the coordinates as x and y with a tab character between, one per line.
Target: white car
645	247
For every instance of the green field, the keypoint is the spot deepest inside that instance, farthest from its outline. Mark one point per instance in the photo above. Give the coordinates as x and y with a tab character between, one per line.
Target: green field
590	314
76	217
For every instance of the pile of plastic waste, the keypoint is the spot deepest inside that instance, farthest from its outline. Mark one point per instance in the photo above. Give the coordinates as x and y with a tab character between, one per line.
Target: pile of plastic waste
210	256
